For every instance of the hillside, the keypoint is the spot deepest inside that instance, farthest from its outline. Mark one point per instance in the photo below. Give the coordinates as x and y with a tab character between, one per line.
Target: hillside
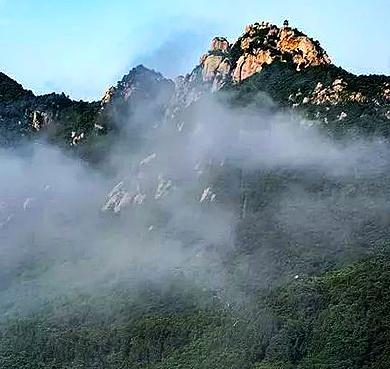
237	217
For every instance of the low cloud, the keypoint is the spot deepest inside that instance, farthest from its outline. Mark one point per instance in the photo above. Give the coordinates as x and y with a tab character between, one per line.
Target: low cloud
230	182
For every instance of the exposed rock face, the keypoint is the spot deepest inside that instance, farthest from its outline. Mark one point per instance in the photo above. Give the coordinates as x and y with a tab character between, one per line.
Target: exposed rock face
145	186
284	47
210	64
322	95
117	199
219	44
140	83
213	71
40	119
143	81
334	94
386	91
163	187
251	63
185	91
215	64
260	44
108	96
207	196
305	51
188	90
263	43
76	138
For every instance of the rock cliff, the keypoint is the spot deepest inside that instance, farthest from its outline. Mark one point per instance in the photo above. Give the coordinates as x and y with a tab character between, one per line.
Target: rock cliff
260	44
264	43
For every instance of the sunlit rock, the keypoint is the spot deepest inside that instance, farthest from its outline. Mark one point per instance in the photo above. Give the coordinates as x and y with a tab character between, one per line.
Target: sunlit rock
264	43
40	120
108	96
219	44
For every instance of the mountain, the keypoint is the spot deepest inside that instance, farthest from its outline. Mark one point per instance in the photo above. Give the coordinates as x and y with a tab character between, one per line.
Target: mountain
289	66
236	217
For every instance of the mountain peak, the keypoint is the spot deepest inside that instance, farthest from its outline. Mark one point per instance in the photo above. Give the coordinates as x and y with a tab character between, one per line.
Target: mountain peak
141	72
260	44
139	79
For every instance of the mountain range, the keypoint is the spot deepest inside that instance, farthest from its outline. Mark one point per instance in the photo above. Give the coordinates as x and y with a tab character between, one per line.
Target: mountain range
235	217
283	62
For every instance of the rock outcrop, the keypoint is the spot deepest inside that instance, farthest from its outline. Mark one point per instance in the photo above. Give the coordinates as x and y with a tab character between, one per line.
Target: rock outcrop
40	119
260	44
386	91
264	43
334	94
215	65
107	96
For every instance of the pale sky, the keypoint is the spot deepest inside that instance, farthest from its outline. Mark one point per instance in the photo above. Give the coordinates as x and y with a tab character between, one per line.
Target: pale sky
81	47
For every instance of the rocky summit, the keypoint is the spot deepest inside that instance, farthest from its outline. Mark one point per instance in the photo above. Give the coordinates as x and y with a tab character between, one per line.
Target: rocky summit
260	44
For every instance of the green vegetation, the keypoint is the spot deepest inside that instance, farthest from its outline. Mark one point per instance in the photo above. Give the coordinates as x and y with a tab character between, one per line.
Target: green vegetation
342	316
17	106
337	320
353	331
286	86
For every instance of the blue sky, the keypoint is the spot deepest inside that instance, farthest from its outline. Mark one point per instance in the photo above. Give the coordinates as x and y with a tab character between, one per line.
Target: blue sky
81	47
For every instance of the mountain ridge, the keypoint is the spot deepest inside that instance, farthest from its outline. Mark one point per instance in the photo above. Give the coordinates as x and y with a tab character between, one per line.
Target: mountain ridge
252	58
